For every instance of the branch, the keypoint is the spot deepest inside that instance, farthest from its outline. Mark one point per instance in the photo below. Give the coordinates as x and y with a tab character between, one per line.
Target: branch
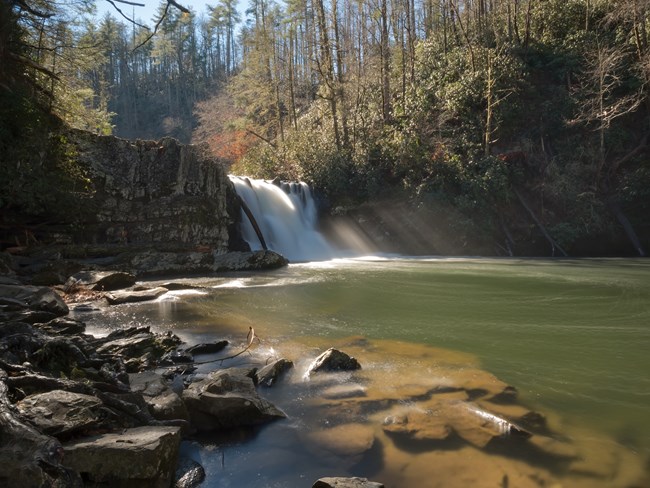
179	7
32	64
269	142
129	3
112	2
155	29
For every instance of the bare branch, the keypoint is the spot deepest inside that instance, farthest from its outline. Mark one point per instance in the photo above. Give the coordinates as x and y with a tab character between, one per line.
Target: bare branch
124	15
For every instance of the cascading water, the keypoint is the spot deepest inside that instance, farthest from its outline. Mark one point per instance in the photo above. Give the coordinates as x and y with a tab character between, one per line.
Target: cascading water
286	216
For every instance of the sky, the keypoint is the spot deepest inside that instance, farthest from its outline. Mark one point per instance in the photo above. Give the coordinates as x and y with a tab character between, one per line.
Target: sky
147	13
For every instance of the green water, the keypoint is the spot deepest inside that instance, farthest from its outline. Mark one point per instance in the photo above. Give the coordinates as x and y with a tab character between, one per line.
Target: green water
573	336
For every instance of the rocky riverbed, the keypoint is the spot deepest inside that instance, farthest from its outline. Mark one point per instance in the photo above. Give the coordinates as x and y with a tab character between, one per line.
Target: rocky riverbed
113	409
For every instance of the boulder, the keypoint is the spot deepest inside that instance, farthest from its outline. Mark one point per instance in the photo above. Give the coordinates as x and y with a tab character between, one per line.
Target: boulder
35	298
62	413
349	442
131	296
269	374
142	456
227	399
333	360
101	280
248	261
210	348
163	402
63	326
346	483
189	474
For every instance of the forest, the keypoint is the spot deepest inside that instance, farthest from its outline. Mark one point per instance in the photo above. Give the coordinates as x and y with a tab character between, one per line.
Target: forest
520	127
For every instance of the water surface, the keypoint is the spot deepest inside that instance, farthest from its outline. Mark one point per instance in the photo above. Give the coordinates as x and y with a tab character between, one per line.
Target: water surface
571	335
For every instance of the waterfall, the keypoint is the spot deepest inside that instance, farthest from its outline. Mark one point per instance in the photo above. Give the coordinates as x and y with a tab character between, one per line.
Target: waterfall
287	217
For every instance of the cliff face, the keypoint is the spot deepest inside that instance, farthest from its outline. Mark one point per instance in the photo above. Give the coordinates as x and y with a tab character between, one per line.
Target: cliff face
156	192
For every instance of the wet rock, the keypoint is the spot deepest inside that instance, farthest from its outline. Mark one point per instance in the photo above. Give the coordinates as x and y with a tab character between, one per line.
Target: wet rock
35	298
210	348
176	357
163	402
333	360
346	483
138	344
189	474
132	296
62	413
63	326
227	399
142	456
425	425
101	280
269	374
248	261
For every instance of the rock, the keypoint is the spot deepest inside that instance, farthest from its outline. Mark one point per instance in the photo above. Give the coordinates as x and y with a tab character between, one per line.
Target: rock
248	261
419	425
61	413
132	296
35	298
189	474
347	441
101	280
227	399
155	192
176	357
270	373
163	402
63	326
338	392
332	360
346	483
210	348
142	456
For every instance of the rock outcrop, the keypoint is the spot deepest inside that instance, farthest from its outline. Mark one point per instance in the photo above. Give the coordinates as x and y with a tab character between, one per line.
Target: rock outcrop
150	192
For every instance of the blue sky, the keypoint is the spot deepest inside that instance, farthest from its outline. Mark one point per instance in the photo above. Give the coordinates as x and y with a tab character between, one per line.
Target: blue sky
146	13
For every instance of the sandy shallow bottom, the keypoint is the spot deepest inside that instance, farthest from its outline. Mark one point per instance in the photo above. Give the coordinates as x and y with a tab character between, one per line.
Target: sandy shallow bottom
413	416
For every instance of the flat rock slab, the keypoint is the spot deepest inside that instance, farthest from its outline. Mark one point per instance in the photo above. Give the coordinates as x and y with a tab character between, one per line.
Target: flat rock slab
346	483
142	456
209	348
132	296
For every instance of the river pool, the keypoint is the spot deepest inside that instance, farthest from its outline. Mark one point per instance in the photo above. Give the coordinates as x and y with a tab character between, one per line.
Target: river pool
572	336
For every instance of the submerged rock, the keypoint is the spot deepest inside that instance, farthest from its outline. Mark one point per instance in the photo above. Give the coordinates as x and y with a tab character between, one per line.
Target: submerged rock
227	399
347	442
346	483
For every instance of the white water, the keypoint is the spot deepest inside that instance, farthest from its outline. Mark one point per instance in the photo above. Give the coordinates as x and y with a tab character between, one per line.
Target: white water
286	216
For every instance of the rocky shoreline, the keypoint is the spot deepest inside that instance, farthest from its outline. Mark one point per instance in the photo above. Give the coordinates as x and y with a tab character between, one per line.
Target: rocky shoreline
79	410
82	410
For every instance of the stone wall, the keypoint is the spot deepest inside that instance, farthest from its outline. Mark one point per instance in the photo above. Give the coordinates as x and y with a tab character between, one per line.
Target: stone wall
155	192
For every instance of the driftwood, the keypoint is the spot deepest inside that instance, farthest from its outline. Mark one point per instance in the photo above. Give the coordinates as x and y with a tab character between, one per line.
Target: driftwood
253	222
552	242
